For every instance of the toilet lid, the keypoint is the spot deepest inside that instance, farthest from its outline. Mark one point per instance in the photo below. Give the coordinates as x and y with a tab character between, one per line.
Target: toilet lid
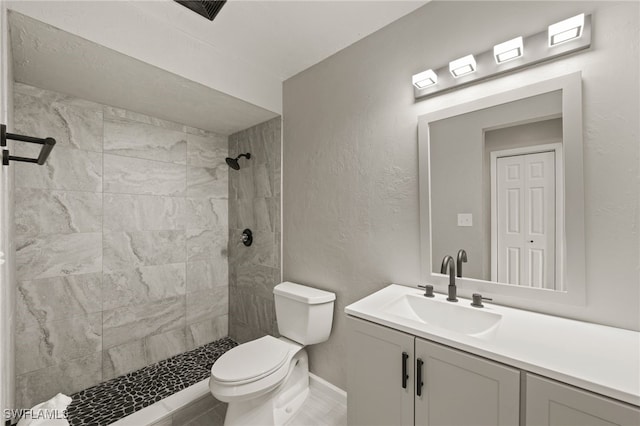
251	361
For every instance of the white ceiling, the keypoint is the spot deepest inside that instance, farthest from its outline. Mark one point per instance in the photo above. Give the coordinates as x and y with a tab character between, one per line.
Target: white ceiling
284	37
161	59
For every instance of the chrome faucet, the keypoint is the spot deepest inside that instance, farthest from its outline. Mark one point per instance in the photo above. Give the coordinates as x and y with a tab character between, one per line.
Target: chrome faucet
448	263
462	257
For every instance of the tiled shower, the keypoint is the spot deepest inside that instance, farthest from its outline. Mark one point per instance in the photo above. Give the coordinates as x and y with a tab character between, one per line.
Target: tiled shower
122	241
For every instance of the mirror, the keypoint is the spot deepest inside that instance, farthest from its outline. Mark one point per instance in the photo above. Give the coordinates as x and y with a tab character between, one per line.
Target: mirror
501	177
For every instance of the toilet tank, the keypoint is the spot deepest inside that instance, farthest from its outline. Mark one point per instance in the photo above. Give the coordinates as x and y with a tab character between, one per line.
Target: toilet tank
304	314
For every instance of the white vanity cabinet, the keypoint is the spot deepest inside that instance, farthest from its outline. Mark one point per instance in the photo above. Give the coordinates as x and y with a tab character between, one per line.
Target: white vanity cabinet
550	403
440	385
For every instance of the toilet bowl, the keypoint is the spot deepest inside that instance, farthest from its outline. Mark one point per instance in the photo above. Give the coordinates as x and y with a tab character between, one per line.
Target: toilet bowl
265	381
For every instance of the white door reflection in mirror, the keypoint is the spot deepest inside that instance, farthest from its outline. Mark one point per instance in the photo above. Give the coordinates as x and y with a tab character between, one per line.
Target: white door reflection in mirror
525	214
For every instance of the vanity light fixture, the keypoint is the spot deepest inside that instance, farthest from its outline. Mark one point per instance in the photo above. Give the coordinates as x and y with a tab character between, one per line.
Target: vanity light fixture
425	79
508	51
552	42
566	30
462	66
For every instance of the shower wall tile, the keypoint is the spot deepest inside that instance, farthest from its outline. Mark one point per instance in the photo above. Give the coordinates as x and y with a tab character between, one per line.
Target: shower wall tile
53	255
52	299
103	240
127	175
143	285
114	114
207	244
254	202
67	377
134	139
132	356
200	303
72	122
124	212
261	252
206	150
122	325
68	169
124	250
207	213
41	211
51	343
206	274
208	182
206	331
259	280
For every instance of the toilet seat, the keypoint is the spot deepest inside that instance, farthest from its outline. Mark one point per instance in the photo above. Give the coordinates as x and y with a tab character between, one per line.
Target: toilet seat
250	361
234	377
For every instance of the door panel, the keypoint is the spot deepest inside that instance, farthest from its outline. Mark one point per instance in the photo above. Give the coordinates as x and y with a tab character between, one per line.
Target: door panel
462	389
374	382
526	211
550	403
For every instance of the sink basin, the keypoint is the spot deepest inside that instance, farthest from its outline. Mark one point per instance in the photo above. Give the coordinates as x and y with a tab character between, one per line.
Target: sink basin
445	315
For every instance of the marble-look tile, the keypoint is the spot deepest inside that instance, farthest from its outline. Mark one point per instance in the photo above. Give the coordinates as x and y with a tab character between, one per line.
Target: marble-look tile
245	183
207	244
242	333
257	279
143	285
68	169
40	211
122	325
137	176
261	214
202	305
134	355
206	150
52	343
254	311
113	113
57	255
208	182
207	331
207	274
126	250
72	122
207	213
261	252
134	139
262	181
124	212
52	299
67	377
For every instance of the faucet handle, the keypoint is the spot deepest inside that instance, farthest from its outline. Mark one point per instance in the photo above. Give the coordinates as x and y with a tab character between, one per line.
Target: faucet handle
428	290
477	300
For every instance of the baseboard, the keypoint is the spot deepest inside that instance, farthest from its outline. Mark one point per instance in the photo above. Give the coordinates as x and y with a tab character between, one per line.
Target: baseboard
321	385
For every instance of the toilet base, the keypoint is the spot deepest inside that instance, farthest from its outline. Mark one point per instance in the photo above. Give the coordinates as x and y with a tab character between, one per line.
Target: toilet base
278	406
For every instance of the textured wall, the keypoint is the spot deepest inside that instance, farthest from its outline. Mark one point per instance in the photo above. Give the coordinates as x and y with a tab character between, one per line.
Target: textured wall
121	243
350	182
254	203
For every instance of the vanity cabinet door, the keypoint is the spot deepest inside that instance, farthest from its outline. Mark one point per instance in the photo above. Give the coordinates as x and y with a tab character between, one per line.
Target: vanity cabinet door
378	395
552	403
463	389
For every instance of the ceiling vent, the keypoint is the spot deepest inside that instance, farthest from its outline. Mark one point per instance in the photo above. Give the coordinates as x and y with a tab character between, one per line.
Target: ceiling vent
207	8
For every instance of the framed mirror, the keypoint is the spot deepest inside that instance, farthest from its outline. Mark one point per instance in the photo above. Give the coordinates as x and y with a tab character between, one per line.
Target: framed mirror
501	178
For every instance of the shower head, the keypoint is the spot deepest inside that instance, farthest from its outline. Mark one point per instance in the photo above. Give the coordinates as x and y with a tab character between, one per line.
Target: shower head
233	162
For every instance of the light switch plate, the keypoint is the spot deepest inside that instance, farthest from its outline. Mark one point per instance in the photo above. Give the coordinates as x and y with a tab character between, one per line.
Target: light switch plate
465	219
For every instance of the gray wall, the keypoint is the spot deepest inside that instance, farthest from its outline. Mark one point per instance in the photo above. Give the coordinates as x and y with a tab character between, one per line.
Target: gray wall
458	167
121	243
254	203
350	175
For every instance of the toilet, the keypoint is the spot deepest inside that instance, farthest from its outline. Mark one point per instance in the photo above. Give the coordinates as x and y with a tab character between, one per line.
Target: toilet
265	381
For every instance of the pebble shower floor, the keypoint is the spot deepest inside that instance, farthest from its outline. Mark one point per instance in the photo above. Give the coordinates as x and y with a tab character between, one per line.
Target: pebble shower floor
117	398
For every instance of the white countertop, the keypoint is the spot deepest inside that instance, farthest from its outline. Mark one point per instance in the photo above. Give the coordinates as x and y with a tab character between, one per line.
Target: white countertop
602	359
